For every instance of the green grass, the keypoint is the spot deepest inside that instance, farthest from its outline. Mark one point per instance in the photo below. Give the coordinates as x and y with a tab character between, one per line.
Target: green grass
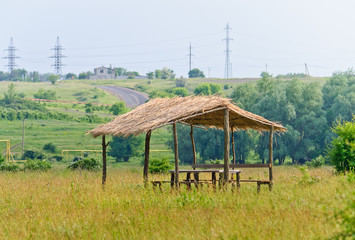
61	204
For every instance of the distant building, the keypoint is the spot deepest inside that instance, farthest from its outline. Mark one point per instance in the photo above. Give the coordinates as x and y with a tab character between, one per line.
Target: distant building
109	73
103	73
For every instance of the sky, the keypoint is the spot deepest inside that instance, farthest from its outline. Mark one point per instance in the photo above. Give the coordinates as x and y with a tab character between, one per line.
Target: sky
141	35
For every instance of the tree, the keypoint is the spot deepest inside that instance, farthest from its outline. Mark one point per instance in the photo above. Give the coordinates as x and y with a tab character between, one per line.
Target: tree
125	148
342	153
150	75
165	73
11	95
71	76
53	78
120	71
181	82
196	73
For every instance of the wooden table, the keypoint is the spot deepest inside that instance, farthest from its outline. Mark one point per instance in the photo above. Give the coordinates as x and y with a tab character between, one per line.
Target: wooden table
213	172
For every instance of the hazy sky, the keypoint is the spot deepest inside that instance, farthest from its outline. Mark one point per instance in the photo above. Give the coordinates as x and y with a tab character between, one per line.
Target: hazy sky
146	35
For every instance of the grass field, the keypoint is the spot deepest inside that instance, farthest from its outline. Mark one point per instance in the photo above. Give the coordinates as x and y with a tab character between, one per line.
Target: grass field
72	205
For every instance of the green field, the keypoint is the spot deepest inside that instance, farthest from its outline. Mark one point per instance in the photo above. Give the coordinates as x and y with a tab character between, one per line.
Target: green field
72	205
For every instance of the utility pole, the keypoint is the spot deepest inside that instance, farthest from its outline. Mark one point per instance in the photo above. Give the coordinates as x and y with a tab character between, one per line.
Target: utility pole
228	65
209	72
11	56
306	72
57	57
190	57
266	67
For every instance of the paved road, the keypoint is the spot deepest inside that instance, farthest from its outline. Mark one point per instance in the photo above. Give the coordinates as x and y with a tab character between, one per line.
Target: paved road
131	97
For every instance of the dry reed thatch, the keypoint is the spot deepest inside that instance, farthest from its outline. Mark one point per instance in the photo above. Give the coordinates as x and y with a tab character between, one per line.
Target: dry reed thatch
197	110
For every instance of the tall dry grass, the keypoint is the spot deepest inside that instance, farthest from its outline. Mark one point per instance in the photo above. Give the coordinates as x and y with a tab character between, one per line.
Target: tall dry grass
72	205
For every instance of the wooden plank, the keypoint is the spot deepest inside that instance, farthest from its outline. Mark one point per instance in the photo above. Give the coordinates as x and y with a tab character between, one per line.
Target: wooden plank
230	165
146	156
226	146
198	171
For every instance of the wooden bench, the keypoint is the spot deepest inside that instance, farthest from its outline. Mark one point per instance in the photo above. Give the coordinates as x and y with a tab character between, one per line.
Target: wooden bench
196	179
231	166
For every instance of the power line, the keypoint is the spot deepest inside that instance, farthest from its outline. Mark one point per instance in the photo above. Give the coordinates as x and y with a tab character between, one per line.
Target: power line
11	56
228	65
57	57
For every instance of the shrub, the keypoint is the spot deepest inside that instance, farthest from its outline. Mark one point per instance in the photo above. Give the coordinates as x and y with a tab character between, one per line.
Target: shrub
306	178
317	162
32	154
45	94
2	158
90	164
50	147
37	165
181	82
9	167
57	158
342	153
159	166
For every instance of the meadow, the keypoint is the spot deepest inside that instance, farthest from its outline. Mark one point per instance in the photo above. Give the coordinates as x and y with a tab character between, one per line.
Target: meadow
64	204
60	204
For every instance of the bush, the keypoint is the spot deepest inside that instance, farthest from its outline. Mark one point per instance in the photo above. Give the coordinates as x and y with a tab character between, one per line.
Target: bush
90	164
9	167
306	178
45	94
57	158
32	154
37	165
342	153
316	163
50	147
159	166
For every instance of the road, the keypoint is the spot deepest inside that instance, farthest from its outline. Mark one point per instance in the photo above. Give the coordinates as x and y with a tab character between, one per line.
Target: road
131	97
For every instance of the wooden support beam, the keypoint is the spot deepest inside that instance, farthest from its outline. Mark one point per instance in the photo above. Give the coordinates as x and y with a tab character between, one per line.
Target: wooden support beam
226	146
146	157
176	156
193	144
104	167
231	166
270	152
233	144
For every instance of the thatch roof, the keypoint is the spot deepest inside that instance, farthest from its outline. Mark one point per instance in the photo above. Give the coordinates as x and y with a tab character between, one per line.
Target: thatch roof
200	110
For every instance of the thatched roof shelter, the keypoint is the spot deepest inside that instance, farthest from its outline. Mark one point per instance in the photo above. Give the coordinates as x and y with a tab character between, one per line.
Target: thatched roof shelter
208	111
201	110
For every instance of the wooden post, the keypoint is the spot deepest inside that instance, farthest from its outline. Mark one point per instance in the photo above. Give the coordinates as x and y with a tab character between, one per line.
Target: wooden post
146	157
270	152
193	144
233	145
103	160
226	146
176	157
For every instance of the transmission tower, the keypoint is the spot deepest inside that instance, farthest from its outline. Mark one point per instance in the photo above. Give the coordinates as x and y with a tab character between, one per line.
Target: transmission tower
190	55
228	65
11	56
57	57
306	71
